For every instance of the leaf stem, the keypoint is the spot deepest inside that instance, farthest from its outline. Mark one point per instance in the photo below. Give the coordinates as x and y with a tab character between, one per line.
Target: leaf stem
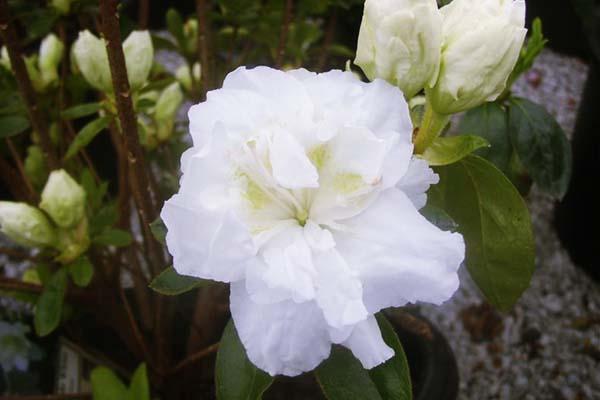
431	127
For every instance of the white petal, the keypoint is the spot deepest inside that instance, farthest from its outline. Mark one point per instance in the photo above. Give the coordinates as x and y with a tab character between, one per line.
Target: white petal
367	345
204	243
339	291
400	256
291	167
317	237
417	180
284	338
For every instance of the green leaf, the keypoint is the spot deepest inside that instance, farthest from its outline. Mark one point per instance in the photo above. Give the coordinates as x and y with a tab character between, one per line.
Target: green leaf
106	385
159	230
236	378
104	218
542	146
439	218
392	378
81	271
495	223
448	150
81	110
86	135
48	309
529	52
170	283
160	43
175	26
113	237
139	388
342	377
490	121
12	125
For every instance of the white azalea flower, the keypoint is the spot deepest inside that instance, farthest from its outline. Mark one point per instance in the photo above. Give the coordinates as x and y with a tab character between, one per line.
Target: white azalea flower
301	190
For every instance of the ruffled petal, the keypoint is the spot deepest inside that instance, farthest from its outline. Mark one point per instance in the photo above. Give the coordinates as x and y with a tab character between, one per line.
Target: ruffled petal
367	345
285	338
291	167
417	180
400	256
204	243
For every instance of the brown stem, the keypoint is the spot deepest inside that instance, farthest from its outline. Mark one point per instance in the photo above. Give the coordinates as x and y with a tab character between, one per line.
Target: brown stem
123	172
329	35
12	180
20	255
195	357
285	28
134	326
19	286
33	196
140	184
66	396
10	39
143	13
204	44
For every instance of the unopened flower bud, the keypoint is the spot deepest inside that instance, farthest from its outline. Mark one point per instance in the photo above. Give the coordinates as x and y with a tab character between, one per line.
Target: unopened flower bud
51	52
73	242
63	199
92	60
62	6
139	55
482	42
400	41
31	64
166	109
190	32
184	77
26	225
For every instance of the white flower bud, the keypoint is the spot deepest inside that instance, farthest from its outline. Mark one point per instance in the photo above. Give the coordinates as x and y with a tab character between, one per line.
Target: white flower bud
26	225
62	6
184	77
92	60
139	55
51	52
190	32
482	42
166	109
63	199
400	41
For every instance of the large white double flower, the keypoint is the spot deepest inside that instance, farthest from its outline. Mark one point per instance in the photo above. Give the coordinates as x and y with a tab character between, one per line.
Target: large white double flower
301	190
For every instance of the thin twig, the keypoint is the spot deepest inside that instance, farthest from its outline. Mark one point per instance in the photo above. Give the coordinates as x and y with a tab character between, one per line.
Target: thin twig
19	286
33	196
204	44
329	35
11	177
20	255
143	13
134	326
66	396
285	28
195	357
10	39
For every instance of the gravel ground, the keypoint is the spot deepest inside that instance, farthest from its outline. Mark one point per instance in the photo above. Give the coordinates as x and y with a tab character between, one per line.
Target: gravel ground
548	346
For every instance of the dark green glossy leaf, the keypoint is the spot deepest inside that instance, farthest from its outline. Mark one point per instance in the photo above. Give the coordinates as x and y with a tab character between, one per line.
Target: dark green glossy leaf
342	377
81	271
392	378
495	223
170	283
86	135
104	218
48	309
159	230
139	388
448	150
236	378
106	385
113	237
490	121
81	110
12	125
439	218
542	146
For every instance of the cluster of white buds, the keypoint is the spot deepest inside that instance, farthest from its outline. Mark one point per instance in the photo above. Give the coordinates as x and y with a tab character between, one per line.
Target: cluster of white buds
461	54
42	67
91	59
60	222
